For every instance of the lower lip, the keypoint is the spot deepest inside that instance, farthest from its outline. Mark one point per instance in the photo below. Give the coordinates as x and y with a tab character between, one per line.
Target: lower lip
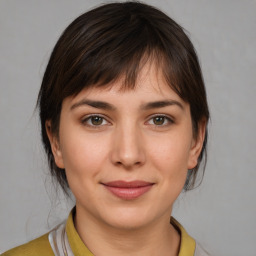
129	193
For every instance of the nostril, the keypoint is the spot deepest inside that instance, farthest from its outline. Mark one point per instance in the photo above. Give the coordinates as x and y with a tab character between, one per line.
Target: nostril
127	165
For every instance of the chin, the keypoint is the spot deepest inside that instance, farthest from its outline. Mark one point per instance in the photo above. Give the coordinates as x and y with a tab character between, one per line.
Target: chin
129	219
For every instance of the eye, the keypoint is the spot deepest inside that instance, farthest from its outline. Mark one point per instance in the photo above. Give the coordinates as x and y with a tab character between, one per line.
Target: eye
160	120
94	120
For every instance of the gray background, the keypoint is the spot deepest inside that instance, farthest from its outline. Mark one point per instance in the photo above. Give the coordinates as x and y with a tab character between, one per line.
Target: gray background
221	212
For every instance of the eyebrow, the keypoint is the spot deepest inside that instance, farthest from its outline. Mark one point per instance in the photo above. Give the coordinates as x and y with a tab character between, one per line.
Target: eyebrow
161	104
108	106
94	104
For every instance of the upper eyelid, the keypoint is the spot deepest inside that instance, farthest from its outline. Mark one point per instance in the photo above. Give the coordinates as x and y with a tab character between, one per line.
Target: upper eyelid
162	115
87	117
94	114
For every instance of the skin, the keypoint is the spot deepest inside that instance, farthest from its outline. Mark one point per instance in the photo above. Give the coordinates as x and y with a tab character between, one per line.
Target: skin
129	143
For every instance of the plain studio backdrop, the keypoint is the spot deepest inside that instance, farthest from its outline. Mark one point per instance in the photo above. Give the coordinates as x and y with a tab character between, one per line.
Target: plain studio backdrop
221	212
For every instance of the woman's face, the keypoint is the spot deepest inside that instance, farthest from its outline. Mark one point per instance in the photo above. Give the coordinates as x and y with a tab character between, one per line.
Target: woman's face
126	153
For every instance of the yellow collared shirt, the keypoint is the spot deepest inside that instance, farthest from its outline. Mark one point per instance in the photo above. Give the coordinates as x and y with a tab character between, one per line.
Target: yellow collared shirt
42	247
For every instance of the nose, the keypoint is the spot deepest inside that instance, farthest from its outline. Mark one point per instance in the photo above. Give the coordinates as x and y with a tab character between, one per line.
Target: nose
127	147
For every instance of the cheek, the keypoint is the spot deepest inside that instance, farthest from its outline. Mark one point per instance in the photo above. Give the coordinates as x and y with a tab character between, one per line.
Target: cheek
83	155
83	158
171	151
170	157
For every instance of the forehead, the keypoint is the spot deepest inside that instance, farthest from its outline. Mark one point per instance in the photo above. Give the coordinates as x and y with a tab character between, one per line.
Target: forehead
150	83
151	91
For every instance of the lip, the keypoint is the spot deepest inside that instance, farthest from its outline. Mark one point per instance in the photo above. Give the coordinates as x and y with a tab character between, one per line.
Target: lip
128	190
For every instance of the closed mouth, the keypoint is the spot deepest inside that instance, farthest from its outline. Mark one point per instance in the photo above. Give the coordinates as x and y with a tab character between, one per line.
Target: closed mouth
128	190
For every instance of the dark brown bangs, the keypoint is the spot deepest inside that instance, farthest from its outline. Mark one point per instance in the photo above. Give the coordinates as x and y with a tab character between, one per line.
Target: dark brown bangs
114	54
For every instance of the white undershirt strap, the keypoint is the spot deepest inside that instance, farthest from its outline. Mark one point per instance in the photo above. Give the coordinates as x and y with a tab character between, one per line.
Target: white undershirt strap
59	241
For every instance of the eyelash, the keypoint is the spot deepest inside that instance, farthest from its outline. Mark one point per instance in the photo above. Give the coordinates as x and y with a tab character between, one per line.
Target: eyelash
85	121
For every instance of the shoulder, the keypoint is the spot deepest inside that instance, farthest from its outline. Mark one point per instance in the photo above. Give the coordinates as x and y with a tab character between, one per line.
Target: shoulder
37	247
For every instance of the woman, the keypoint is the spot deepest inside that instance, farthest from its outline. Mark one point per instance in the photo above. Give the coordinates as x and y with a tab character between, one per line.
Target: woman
124	119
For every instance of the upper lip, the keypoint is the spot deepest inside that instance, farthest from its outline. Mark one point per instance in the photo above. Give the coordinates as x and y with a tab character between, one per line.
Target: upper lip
128	184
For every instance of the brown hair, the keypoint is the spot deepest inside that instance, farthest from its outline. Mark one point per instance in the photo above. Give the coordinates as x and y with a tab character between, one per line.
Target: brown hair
111	41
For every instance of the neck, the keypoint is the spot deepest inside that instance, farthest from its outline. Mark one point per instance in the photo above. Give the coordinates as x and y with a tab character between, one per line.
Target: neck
157	238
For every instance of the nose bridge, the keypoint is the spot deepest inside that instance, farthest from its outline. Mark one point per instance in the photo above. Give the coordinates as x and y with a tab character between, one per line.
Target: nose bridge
128	145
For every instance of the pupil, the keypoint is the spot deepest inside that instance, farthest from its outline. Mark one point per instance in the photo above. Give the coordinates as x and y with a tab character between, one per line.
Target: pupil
96	120
159	120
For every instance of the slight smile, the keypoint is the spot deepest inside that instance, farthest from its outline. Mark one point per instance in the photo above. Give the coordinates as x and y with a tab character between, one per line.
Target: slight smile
128	190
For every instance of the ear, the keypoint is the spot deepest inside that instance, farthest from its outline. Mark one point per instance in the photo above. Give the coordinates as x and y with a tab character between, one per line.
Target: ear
197	145
55	145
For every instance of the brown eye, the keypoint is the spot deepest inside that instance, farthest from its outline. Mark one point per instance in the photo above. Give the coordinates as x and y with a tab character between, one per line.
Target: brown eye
159	120
96	120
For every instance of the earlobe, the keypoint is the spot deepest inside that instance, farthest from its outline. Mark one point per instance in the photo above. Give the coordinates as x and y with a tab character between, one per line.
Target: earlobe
196	146
55	145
